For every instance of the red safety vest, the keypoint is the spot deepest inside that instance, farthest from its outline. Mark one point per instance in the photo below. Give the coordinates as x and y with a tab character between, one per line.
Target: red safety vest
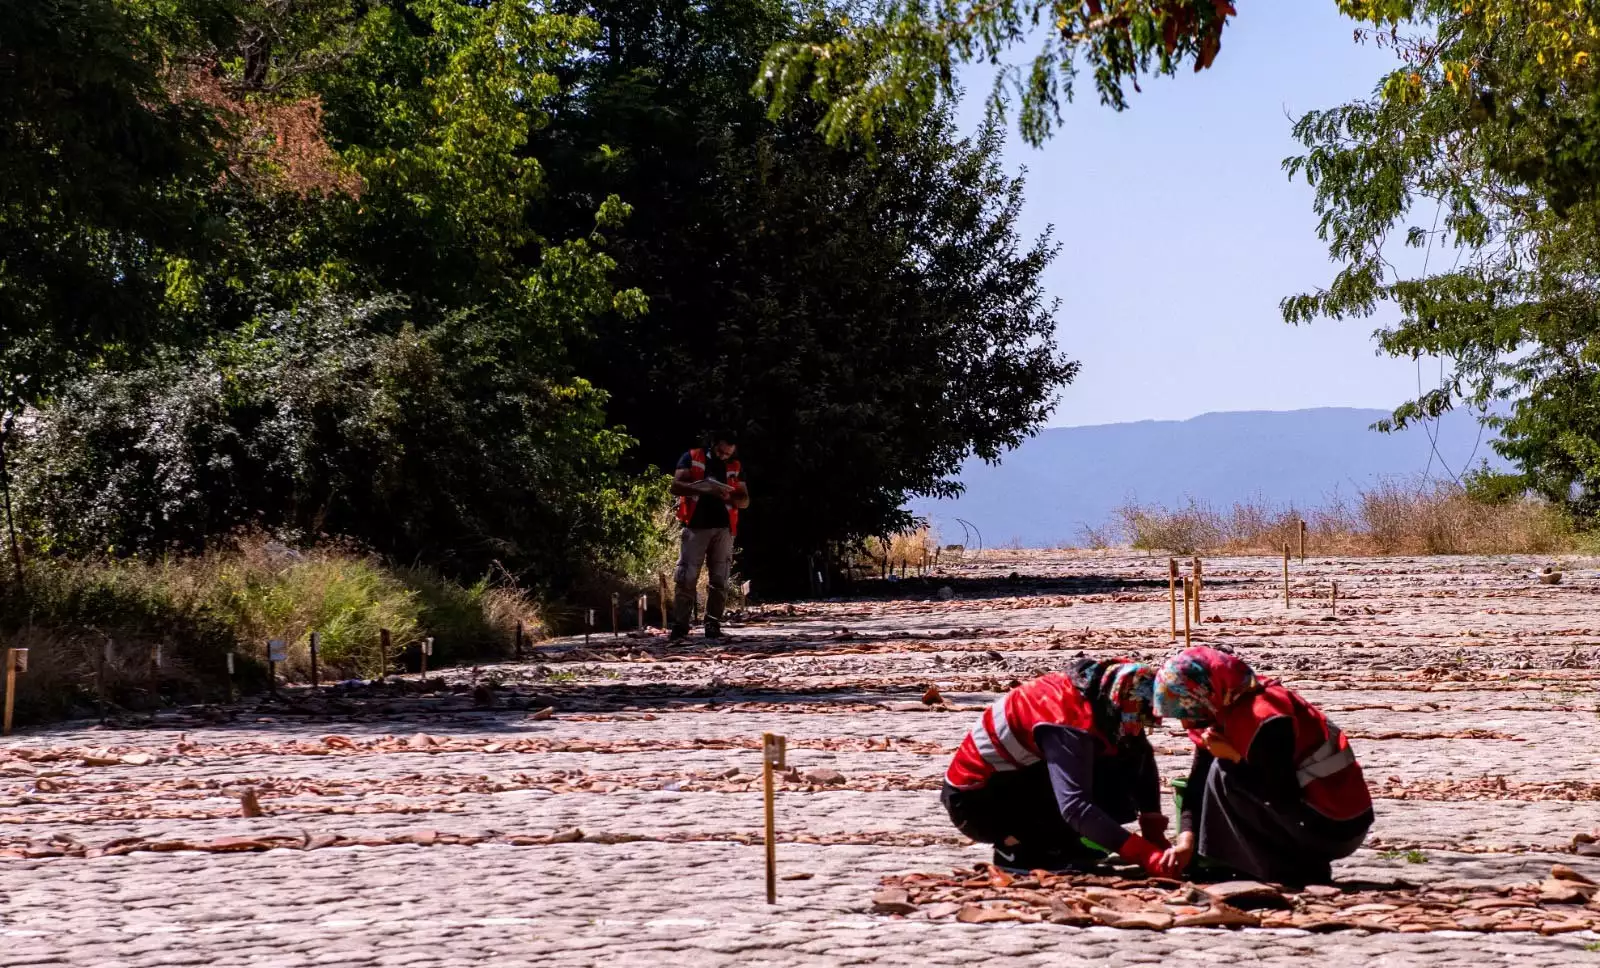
697	472
1330	778
1002	739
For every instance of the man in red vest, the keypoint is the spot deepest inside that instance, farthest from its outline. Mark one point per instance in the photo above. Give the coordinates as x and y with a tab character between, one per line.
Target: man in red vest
711	492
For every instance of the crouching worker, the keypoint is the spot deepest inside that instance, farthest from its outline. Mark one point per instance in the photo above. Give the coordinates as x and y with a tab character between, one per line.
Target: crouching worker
1275	792
1062	759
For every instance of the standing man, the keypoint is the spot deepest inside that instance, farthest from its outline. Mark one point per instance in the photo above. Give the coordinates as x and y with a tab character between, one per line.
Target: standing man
710	496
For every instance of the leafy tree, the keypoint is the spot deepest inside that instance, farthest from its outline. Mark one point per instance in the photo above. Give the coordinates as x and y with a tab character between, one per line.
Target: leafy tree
868	321
873	63
444	443
1485	141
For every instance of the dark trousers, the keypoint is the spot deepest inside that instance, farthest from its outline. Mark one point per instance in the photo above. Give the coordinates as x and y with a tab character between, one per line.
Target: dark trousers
1022	804
1281	841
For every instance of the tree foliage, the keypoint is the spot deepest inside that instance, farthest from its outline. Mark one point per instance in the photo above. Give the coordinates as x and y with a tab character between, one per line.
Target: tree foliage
872	63
1483	149
867	320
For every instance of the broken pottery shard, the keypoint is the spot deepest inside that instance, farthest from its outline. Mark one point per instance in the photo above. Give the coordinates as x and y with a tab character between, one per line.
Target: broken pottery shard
138	759
1321	890
567	836
1220	916
420	741
1562	872
544	713
1247	894
319	841
249	803
942	909
798	876
825	777
978	914
1565	892
1148	920
932	696
892	900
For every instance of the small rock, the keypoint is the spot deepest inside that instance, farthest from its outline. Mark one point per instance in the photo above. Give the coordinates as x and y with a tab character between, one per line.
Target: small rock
932	697
1550	577
826	777
798	876
945	593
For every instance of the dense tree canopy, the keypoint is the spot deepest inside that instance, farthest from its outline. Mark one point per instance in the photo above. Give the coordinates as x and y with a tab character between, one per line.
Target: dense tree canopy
867	321
449	277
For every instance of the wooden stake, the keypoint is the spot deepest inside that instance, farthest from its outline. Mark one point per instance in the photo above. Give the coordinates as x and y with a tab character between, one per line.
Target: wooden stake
1333	599
1302	542
615	607
103	667
315	647
661	596
1286	574
1197	619
1187	592
383	652
589	627
516	643
772	755
11	684
427	650
1172	595
232	695
644	606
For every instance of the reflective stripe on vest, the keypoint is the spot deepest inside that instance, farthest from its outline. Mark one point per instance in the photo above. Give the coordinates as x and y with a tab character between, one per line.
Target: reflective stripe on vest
1326	760
1001	741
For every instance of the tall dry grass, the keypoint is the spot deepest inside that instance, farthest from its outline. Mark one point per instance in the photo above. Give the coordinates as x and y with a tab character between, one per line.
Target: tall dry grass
200	608
905	552
1392	518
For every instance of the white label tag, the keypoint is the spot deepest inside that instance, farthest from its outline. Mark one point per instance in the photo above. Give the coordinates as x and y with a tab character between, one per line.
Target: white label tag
277	650
230	663
20	659
427	646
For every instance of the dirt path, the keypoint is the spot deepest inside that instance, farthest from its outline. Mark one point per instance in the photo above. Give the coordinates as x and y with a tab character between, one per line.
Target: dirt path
454	826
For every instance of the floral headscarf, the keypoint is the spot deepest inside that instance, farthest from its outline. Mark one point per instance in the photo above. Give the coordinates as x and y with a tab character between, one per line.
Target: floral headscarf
1197	684
1129	688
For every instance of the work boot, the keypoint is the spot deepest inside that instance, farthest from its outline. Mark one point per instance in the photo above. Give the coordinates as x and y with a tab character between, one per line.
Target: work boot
713	629
678	633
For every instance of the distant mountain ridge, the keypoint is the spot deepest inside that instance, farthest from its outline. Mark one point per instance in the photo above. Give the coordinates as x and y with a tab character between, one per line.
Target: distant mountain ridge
1046	492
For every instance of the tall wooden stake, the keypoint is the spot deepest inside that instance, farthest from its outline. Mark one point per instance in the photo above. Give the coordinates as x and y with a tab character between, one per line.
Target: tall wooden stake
588	626
1333	599
516	643
644	606
615	598
315	647
11	684
1286	574
1187	592
661	596
383	652
1302	542
427	650
1197	590
103	667
772	755
1172	595
232	692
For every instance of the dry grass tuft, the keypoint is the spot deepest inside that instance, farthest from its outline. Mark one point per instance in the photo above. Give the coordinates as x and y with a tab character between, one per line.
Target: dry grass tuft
1392	518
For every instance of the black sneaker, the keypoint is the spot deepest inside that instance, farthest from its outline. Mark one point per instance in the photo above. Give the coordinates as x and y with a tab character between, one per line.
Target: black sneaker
713	629
1020	859
678	633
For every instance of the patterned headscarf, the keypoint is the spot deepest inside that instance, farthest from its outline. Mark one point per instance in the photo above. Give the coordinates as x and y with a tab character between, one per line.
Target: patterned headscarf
1197	684
1129	687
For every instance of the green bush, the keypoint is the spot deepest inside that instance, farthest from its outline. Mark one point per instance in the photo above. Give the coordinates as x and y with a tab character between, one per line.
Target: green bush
199	608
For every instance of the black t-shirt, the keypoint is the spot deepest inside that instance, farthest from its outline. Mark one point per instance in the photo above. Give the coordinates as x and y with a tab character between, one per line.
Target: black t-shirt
708	511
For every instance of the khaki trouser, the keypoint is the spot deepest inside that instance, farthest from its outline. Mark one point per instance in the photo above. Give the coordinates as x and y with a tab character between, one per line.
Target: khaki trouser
710	546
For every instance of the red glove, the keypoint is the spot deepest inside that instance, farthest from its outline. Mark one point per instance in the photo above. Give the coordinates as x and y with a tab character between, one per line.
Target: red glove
1146	855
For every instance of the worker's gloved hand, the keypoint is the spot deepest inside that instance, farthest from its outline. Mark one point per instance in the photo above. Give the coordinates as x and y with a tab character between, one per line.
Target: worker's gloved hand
1147	855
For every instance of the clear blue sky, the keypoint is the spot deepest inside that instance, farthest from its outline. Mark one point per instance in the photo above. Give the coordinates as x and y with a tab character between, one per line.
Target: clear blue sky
1180	232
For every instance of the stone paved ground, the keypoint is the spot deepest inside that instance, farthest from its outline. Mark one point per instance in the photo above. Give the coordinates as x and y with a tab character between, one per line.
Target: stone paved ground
612	832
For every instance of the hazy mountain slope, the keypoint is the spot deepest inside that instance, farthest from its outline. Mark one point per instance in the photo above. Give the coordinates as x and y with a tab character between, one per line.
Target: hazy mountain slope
1052	485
